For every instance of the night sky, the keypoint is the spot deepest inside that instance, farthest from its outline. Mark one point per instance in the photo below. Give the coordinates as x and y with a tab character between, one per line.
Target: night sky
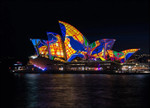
124	20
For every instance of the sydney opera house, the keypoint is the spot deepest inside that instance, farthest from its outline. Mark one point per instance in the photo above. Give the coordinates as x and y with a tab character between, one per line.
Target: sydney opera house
72	51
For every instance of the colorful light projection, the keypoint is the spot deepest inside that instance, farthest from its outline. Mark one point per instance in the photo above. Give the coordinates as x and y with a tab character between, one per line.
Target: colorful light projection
41	47
49	48
98	49
55	45
73	44
129	52
122	56
108	44
35	43
111	54
43	50
69	30
76	44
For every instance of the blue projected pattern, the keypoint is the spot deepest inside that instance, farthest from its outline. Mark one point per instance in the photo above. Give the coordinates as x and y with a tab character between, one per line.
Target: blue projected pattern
63	31
72	44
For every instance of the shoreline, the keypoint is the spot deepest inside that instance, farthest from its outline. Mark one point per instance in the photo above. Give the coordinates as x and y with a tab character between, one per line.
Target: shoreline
79	72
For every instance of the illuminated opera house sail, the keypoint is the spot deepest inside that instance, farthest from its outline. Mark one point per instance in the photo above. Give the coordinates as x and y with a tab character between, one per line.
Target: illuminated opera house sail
72	45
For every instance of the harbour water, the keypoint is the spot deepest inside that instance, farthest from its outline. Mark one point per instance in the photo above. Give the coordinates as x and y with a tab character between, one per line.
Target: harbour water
80	91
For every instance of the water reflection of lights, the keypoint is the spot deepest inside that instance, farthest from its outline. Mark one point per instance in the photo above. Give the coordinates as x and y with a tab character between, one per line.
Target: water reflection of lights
32	88
140	76
80	90
64	93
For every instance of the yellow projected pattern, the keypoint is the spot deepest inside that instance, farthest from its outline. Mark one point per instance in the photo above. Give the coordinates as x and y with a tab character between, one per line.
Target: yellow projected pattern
56	48
69	49
72	31
43	51
76	34
128	51
111	54
100	55
97	43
